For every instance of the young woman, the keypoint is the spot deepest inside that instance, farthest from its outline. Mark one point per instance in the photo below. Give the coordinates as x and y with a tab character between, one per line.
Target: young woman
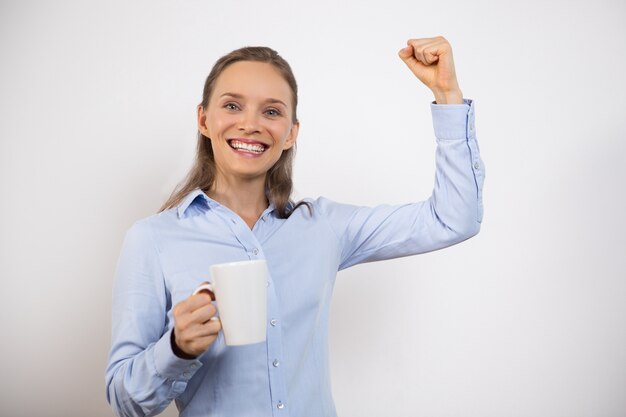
235	205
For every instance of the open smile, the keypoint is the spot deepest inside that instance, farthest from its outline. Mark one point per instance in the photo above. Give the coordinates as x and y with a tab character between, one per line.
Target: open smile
247	146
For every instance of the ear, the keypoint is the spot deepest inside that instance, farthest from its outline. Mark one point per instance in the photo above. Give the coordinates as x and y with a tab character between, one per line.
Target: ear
293	135
202	122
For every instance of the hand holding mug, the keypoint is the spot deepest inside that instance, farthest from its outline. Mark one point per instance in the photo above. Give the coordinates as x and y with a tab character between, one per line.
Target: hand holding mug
241	292
195	327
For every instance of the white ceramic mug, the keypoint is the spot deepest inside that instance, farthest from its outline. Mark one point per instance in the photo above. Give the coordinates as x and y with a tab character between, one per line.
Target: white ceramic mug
241	299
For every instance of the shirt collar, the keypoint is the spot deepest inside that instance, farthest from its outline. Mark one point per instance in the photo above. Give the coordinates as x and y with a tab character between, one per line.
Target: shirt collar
190	198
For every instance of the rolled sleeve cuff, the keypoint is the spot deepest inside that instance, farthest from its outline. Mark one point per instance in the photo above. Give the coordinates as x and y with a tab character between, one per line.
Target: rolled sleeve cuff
451	121
170	366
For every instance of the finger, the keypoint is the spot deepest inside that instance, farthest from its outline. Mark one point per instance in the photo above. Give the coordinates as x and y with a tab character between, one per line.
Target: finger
428	50
197	331
437	49
430	54
183	311
418	46
418	51
407	55
203	314
211	327
424	42
201	344
406	52
199	300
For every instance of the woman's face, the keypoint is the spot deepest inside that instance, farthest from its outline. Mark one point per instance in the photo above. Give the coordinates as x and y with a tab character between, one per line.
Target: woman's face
248	119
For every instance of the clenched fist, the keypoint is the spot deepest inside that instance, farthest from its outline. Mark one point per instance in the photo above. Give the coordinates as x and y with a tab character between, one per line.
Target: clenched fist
430	59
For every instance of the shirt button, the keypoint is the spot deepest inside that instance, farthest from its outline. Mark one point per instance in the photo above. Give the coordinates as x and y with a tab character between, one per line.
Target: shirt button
186	374
476	165
267	284
194	365
276	363
280	405
273	322
255	251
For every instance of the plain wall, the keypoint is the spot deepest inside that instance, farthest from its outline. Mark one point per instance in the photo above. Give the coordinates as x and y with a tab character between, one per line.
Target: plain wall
97	125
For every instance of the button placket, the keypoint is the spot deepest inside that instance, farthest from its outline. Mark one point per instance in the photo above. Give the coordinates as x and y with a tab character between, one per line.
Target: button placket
278	389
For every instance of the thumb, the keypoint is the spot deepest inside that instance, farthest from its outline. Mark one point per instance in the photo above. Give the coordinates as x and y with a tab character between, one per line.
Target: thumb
407	55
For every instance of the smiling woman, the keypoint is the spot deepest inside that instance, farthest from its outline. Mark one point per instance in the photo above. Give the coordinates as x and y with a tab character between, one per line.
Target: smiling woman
249	127
256	85
235	206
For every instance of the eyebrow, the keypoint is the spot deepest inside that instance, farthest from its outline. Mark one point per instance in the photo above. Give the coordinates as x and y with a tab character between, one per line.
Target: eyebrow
269	100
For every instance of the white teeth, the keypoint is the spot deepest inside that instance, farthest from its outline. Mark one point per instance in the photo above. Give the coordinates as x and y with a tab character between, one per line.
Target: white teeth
247	146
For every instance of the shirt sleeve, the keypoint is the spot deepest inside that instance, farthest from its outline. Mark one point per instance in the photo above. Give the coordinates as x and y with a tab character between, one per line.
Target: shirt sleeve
143	374
452	214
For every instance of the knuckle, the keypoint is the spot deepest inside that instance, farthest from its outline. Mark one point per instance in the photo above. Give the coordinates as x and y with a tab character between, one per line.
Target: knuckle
182	324
187	339
178	309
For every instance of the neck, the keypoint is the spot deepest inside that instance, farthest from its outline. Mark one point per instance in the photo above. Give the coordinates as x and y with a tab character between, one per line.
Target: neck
246	197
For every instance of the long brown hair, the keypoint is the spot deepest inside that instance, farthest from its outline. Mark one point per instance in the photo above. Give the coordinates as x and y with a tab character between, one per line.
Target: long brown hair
278	182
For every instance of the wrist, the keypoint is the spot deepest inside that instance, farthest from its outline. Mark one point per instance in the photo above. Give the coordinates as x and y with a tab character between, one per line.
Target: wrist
177	350
449	97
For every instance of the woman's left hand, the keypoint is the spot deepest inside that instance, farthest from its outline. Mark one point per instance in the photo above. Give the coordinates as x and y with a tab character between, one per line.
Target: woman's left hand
430	59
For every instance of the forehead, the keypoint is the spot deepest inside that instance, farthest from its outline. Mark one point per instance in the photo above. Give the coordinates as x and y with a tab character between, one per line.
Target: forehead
253	80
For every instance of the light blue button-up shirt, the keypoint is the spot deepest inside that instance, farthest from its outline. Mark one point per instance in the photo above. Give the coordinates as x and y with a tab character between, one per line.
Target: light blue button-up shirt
166	256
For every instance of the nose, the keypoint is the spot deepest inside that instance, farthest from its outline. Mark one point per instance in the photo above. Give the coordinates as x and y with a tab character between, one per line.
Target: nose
249	122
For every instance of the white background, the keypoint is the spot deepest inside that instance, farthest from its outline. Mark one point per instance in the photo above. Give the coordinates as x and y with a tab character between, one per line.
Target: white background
97	125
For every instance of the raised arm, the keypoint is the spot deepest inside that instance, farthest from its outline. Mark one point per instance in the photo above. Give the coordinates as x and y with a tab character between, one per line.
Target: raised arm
453	213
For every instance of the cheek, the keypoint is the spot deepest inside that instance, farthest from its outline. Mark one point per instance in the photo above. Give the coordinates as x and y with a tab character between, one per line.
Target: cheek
216	125
281	132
